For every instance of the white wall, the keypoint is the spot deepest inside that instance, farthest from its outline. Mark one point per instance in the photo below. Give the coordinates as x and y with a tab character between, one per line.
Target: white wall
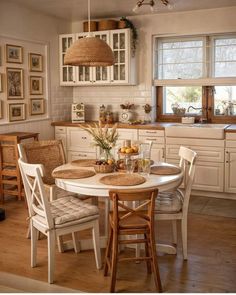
25	24
185	23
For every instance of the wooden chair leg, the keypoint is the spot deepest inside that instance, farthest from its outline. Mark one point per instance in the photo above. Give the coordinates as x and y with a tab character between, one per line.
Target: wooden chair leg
76	243
96	244
60	244
33	233
174	231
147	252
51	256
108	252
114	262
156	272
184	237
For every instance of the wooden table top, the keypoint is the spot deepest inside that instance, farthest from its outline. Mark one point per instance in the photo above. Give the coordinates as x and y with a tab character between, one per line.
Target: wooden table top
21	135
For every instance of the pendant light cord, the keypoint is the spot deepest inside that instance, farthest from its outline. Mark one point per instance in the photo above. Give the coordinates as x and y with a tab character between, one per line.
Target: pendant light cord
89	17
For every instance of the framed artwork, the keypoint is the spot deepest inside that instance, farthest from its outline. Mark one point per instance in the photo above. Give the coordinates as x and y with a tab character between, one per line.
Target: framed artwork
16	112
15	83
0	109
35	62
1	83
37	106
0	55
36	85
14	54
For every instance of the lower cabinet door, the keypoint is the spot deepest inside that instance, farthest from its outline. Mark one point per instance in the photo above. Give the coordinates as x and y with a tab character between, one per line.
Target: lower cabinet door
230	171
209	176
158	154
80	155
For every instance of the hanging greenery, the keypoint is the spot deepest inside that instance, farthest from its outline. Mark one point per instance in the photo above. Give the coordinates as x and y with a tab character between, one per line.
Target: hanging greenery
129	24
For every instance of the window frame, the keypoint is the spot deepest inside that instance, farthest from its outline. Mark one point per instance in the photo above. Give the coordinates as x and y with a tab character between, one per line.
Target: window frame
206	82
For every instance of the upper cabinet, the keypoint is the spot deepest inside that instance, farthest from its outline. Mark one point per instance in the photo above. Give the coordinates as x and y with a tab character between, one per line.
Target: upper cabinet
67	73
122	73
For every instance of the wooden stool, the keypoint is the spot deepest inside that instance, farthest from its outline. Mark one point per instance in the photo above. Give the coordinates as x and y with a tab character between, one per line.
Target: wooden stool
10	178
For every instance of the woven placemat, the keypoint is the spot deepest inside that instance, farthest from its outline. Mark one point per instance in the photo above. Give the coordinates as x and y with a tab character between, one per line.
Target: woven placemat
165	170
73	173
84	162
122	179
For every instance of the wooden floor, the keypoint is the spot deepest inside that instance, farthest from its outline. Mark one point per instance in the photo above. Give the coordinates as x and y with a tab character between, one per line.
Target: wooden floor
211	266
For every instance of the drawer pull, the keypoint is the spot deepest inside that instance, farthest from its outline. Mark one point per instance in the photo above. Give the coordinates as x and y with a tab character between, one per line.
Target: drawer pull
82	155
151	132
151	139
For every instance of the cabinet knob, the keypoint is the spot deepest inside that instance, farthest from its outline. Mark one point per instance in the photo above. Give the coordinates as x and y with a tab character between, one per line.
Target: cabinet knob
84	137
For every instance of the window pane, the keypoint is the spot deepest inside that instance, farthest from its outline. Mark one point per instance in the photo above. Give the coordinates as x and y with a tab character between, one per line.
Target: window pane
225	101
180	59
177	100
225	57
181	71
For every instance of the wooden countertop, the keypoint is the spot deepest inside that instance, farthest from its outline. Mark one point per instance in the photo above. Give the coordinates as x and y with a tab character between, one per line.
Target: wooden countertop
150	126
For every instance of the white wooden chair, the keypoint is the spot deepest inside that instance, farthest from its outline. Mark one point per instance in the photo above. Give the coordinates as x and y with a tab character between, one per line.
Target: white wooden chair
59	217
173	205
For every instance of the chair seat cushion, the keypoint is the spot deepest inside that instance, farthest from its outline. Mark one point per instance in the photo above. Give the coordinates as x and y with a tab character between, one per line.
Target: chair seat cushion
169	202
71	209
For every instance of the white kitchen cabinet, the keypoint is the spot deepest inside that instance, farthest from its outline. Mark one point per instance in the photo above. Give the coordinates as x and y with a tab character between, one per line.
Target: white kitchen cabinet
158	143
209	175
79	144
122	73
67	73
60	134
230	163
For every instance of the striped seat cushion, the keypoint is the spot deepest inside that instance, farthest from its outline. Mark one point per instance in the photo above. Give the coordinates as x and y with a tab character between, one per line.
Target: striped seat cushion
169	202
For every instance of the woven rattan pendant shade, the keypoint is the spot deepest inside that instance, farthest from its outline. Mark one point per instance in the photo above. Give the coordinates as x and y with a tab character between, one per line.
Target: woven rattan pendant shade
89	51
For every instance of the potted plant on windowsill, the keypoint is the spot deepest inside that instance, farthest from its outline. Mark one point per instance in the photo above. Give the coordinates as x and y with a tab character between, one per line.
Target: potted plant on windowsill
126	23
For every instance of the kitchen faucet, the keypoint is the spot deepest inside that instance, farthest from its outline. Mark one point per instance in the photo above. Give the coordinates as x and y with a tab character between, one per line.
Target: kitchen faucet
202	119
191	107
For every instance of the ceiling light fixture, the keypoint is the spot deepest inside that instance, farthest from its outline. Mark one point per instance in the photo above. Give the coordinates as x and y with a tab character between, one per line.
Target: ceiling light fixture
151	3
89	51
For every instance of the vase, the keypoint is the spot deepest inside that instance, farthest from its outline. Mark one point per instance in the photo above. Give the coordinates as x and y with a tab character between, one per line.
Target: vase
126	116
105	154
147	117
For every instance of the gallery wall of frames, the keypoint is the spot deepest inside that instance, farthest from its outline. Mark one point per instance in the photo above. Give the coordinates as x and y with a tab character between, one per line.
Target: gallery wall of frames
23	80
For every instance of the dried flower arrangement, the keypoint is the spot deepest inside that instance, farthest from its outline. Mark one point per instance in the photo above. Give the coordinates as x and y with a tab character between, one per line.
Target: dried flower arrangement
147	108
103	137
127	106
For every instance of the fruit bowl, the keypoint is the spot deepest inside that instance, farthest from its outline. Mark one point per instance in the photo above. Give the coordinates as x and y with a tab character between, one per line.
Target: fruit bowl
131	151
103	167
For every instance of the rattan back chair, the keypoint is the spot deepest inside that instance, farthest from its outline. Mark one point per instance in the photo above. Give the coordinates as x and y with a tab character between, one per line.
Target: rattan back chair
132	216
50	154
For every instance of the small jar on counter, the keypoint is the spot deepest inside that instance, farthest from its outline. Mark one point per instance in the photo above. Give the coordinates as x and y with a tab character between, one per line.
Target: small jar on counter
109	117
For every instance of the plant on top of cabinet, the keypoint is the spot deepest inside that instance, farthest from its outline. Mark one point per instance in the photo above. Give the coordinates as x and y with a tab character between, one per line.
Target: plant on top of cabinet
129	24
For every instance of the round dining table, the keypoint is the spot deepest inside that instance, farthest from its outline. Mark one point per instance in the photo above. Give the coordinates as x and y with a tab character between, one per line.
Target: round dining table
91	186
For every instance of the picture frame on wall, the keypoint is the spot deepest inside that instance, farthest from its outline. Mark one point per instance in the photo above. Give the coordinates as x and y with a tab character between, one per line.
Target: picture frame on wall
0	55
16	112
1	82
14	54
0	109
15	83
37	106
35	62
36	85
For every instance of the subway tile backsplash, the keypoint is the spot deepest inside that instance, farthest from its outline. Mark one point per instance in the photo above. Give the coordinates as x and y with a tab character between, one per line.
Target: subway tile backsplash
112	97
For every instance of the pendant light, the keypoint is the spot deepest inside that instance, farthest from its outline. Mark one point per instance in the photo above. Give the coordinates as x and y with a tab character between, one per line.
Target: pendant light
89	51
